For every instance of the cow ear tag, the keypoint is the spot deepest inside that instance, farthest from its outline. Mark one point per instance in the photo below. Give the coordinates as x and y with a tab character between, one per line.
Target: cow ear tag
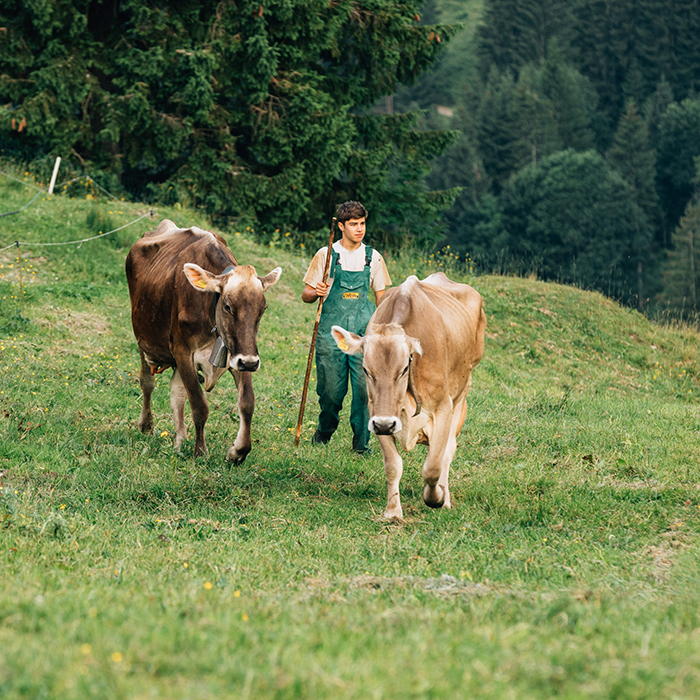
343	345
201	283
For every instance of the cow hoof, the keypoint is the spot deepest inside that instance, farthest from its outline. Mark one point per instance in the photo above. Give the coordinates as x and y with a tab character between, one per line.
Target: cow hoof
236	456
434	496
146	426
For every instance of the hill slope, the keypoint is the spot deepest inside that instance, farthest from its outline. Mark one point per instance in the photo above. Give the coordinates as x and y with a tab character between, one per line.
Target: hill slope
568	565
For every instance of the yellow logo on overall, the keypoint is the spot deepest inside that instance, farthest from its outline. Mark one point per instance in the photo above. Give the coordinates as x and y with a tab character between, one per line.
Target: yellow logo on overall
351	295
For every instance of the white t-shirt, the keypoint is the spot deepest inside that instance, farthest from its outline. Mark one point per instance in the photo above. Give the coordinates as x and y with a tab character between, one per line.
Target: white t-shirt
352	261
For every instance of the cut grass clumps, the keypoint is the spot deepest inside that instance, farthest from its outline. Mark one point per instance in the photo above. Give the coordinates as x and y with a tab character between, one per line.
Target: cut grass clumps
567	567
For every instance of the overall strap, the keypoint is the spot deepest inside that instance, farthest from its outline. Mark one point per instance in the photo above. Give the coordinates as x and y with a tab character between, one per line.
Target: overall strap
335	260
368	256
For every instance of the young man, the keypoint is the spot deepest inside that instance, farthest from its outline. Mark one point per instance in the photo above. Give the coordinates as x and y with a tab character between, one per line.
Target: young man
355	269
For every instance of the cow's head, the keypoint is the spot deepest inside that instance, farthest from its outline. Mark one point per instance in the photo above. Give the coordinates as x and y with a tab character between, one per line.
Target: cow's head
386	364
238	312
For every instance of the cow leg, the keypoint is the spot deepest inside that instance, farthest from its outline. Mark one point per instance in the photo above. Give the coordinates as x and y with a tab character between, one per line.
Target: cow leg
178	396
148	383
393	468
462	417
444	481
195	395
246	405
457	422
436	467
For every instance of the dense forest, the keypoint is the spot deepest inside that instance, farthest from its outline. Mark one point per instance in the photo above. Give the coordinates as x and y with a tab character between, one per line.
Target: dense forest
554	137
579	141
256	111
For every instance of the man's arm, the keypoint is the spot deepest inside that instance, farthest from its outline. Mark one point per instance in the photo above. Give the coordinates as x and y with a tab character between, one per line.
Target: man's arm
310	294
380	276
315	272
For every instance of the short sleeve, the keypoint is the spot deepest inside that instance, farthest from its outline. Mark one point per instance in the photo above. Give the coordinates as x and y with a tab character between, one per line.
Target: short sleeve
379	274
314	274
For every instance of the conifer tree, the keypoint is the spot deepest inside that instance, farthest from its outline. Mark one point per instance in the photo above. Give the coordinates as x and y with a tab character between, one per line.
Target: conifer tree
682	270
634	86
573	99
519	123
632	157
440	84
655	107
603	32
500	148
242	108
679	144
517	32
667	43
536	118
626	48
461	166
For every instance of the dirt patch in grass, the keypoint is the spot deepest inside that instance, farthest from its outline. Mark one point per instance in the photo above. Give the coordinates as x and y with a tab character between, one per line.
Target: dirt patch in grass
663	554
79	322
443	586
641	484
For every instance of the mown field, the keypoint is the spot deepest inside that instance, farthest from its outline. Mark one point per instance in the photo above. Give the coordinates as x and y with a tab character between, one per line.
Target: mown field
568	566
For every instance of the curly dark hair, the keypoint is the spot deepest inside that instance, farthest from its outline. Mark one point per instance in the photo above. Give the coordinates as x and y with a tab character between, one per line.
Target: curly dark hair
349	210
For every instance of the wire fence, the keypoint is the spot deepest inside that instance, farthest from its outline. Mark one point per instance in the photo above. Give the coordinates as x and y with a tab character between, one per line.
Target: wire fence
17	211
79	242
23	182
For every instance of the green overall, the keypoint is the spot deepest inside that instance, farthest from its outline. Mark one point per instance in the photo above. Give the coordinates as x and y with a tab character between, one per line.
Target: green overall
347	305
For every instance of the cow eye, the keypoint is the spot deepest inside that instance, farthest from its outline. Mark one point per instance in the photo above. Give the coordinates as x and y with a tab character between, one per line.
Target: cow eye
227	308
367	374
404	371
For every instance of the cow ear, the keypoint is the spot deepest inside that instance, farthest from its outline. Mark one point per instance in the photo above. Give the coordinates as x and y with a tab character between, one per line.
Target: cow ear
414	346
201	279
270	278
348	342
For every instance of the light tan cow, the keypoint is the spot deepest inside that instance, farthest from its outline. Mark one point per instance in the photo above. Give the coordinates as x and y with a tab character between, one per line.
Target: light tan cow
421	346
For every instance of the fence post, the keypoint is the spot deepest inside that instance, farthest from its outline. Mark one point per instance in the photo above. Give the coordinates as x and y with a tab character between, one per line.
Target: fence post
55	172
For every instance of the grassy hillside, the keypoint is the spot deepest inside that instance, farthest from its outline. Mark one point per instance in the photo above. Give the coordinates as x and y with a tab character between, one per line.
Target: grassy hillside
567	567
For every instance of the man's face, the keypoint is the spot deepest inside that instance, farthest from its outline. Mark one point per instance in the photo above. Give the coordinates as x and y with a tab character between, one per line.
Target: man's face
353	230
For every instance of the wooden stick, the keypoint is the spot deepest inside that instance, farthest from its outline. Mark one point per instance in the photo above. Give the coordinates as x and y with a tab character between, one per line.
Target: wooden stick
310	362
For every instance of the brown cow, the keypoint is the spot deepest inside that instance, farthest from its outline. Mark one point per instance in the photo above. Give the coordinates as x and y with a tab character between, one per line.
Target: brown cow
421	346
186	288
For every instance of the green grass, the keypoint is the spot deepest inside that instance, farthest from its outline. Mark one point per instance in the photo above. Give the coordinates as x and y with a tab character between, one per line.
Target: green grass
568	566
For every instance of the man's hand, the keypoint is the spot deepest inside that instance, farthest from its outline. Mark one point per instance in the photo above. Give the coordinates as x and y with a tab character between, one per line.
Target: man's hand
310	294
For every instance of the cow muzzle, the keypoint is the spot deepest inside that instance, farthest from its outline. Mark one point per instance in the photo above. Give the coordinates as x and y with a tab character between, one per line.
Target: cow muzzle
385	425
245	363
